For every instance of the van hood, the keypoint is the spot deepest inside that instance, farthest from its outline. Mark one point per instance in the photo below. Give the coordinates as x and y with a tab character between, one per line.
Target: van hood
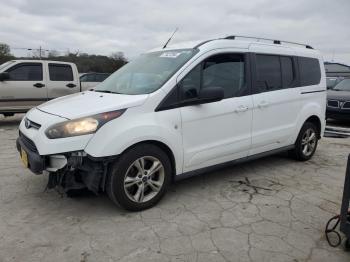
90	103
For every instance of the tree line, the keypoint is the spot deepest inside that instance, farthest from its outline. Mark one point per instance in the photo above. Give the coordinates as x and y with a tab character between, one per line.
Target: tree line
85	62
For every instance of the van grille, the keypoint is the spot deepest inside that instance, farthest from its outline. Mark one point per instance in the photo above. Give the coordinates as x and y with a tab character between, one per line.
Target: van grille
31	124
333	103
28	142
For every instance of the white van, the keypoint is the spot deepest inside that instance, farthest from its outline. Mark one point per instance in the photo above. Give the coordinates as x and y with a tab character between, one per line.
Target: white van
179	111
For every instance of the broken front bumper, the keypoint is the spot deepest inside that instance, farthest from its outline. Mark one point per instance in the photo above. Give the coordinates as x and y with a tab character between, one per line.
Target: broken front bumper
71	170
35	162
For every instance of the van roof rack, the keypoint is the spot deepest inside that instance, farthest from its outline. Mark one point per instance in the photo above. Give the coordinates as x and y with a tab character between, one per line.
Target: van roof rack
274	41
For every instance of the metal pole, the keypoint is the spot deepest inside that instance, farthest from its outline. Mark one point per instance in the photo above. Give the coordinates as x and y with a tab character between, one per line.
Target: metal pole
344	223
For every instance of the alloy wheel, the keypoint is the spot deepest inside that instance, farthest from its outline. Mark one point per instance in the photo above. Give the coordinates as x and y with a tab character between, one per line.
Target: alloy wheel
308	142
144	179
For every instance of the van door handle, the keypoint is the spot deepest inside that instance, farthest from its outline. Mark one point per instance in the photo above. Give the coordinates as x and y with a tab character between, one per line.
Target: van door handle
70	85
263	104
39	85
241	109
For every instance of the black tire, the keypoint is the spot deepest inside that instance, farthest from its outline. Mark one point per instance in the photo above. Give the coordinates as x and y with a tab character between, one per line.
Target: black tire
347	245
298	152
116	176
8	114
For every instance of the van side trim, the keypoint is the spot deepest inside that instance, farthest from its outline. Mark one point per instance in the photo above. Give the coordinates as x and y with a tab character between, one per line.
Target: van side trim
310	92
231	163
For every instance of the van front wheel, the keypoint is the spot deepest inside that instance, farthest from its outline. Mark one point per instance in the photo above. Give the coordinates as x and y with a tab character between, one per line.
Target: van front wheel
306	143
140	178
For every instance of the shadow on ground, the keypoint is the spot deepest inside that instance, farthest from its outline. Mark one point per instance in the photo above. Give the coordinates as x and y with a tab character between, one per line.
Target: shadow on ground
11	121
338	123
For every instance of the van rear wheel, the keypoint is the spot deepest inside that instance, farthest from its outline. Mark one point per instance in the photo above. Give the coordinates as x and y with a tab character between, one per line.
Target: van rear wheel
306	143
140	178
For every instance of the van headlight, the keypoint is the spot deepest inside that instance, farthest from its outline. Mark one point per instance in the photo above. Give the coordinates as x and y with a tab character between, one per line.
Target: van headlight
81	126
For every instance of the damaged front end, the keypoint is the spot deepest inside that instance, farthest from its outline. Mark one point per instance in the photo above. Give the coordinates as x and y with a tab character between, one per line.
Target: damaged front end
81	171
69	171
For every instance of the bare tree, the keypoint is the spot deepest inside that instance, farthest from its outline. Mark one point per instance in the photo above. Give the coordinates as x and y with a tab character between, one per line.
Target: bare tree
53	53
119	56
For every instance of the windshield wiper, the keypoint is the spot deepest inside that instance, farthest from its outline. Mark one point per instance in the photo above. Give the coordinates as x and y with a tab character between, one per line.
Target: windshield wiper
106	91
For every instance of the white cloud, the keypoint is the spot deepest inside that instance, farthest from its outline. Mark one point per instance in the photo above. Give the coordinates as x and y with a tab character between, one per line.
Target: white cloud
107	26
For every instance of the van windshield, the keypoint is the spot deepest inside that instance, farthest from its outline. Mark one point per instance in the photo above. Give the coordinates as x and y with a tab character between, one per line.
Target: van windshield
147	73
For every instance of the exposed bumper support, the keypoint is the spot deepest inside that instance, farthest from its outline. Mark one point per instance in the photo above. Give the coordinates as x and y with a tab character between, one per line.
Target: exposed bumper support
71	170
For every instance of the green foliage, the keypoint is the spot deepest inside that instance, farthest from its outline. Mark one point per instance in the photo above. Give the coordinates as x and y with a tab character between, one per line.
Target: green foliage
85	62
93	63
5	53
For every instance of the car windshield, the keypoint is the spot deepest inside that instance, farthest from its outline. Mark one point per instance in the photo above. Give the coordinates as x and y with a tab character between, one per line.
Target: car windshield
343	85
5	64
147	73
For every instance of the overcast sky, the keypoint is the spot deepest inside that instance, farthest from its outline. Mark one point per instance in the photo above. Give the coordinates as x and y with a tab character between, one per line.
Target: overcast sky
132	27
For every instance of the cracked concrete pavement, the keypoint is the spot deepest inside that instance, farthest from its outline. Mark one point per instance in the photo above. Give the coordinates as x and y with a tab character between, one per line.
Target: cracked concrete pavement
271	209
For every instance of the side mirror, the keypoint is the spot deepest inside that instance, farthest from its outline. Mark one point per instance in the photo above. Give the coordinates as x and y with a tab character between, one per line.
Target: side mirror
211	94
4	76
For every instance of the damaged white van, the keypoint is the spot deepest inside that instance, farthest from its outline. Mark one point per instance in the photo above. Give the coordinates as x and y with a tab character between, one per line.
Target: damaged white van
179	111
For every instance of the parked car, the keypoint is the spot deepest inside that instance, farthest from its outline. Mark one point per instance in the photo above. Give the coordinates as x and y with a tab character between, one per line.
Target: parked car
176	112
333	81
338	101
90	80
28	83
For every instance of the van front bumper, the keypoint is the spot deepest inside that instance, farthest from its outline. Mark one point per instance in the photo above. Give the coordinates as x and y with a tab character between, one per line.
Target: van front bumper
70	170
36	162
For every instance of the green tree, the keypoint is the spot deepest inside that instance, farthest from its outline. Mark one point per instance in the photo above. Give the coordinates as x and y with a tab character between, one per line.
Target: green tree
85	62
94	63
5	53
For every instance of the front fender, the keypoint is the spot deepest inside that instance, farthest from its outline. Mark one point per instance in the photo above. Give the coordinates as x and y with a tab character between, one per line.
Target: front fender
120	134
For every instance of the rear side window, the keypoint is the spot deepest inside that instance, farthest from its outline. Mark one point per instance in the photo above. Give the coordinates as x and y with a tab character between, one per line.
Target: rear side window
60	72
268	72
310	72
288	72
26	72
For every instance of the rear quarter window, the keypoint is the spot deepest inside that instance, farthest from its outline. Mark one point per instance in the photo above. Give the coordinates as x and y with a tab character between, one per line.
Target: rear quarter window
60	72
310	72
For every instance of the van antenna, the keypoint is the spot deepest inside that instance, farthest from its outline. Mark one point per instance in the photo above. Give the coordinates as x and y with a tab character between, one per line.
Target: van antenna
167	42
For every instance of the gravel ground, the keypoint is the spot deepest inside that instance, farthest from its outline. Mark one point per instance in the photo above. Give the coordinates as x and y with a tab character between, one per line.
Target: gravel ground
272	209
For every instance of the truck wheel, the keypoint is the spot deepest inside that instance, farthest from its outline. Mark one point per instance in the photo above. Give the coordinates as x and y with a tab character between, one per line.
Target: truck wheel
306	143
140	178
8	114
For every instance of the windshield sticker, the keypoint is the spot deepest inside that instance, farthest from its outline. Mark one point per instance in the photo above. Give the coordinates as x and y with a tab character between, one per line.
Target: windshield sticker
170	54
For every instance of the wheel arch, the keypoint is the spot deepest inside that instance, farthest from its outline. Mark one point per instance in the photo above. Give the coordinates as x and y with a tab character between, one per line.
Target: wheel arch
311	112
317	122
162	146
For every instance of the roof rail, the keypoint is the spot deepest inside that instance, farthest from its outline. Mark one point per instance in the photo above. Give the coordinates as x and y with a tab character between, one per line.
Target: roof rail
274	41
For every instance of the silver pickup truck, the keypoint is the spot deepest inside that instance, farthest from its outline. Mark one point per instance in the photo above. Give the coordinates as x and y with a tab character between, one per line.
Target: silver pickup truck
27	83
